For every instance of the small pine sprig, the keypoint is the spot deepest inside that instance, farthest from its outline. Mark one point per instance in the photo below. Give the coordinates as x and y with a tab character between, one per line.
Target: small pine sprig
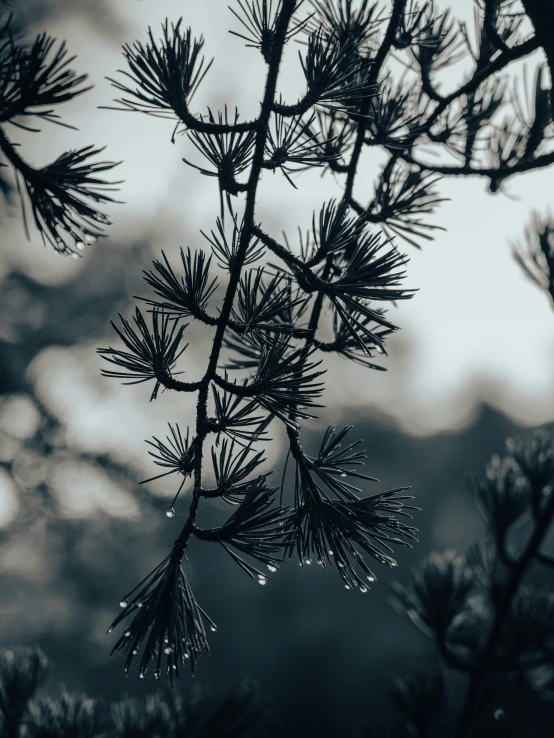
293	145
163	75
257	529
334	72
232	469
150	354
402	197
332	522
536	255
285	379
178	454
437	592
63	199
347	22
186	296
225	249
503	496
167	624
36	78
258	20
237	418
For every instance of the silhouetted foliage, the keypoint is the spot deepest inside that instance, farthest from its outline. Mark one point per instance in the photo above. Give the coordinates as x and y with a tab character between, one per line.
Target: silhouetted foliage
272	317
26	711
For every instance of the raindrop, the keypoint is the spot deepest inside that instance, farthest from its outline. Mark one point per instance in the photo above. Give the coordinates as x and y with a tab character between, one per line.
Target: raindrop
80	245
187	655
331	553
90	239
213	628
139	604
347	586
122	603
379	350
170	513
308	562
168	650
499	714
363	590
135	652
370	578
262	581
341	565
393	563
75	256
141	675
156	674
127	634
343	474
272	567
110	629
174	666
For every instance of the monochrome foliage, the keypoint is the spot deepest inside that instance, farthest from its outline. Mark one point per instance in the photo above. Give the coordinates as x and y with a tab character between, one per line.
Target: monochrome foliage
273	318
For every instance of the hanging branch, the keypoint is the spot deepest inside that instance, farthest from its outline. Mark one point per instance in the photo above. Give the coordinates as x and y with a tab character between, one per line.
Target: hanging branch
62	198
268	327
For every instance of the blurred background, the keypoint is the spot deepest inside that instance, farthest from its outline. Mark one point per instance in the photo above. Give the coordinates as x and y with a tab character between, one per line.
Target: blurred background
471	366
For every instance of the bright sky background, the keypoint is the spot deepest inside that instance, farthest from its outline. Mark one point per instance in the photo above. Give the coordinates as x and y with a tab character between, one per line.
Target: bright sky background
476	330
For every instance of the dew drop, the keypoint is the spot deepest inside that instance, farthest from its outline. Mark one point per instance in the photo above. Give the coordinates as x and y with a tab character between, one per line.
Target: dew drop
122	603
168	650
187	655
308	562
75	256
331	553
262	581
213	628
363	590
141	675
393	563
127	634
379	349
347	586
174	666
370	578
272	567
139	604
110	629
170	513
343	475
156	674
135	652
341	565
80	245
499	714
